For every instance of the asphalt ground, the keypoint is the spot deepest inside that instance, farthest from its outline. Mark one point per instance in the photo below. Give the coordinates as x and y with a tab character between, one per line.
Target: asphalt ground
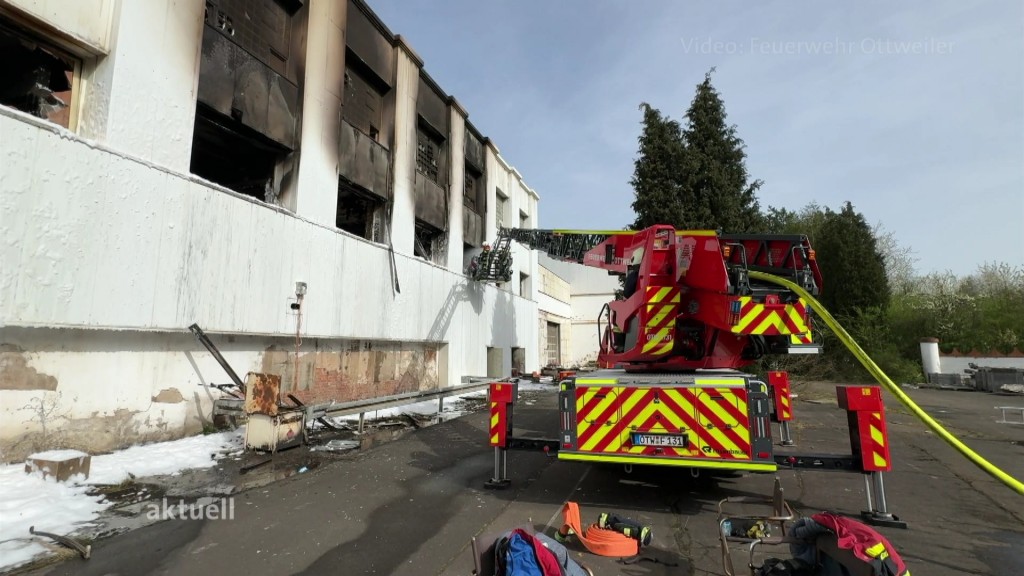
413	505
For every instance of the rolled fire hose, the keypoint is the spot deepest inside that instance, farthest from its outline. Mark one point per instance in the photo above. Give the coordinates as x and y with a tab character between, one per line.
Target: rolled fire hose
889	385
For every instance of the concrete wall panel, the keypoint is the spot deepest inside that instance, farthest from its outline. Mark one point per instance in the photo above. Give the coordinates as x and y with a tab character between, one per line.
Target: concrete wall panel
87	22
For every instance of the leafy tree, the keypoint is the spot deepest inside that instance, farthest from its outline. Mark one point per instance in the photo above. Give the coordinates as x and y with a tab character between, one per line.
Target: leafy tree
807	221
781	221
899	260
715	187
852	268
694	177
980	312
656	170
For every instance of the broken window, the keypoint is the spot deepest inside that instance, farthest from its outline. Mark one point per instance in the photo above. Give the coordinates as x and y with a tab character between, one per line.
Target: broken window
427	154
360	213
227	153
428	242
248	100
35	76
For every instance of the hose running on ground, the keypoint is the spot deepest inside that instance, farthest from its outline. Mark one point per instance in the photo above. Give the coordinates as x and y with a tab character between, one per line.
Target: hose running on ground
600	541
884	380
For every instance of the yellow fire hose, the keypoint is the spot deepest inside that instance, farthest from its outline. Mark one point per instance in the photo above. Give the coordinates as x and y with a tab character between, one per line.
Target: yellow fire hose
884	380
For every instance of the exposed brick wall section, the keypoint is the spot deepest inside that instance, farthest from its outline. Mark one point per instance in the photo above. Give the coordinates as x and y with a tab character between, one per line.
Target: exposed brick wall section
353	370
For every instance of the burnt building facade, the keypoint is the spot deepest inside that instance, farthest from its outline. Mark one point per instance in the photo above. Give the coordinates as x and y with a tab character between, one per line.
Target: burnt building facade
173	162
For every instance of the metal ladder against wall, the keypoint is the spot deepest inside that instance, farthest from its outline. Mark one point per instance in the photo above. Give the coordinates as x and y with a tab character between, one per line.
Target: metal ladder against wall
494	265
568	245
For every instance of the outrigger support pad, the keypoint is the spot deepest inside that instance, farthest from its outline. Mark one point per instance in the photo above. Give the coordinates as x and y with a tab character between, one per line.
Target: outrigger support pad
878	515
500	480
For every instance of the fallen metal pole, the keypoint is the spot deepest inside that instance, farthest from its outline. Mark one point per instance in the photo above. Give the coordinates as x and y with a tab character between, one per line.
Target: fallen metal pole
208	344
84	549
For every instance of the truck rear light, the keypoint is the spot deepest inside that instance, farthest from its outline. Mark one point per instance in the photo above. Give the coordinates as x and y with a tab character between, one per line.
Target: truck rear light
763	455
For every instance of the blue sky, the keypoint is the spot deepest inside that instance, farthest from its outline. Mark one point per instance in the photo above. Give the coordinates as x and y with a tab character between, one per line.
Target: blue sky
912	111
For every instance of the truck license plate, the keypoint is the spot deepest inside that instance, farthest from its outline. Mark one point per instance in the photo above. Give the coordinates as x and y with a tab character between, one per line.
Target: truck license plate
677	440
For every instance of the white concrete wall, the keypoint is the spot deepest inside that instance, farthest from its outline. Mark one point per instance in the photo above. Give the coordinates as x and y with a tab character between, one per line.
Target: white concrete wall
141	98
321	112
501	175
133	247
403	219
957	364
553	285
590	289
86	22
105	237
457	175
554	306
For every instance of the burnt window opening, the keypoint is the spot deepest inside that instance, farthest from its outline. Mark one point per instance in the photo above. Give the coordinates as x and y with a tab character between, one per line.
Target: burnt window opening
35	77
227	152
471	187
363	105
428	154
428	242
360	213
248	96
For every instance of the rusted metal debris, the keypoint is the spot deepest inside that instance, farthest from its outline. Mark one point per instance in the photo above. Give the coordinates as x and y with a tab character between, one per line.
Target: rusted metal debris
263	393
208	344
323	421
84	549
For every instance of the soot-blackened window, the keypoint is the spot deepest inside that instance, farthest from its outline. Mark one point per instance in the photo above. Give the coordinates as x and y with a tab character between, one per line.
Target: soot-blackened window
427	155
469	189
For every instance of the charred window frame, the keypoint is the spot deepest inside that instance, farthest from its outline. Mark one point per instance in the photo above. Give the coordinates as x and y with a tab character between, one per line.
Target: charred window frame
360	213
428	152
471	187
474	191
428	242
249	96
367	124
36	76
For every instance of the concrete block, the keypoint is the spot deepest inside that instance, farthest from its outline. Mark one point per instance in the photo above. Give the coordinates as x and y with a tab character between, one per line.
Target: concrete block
61	464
